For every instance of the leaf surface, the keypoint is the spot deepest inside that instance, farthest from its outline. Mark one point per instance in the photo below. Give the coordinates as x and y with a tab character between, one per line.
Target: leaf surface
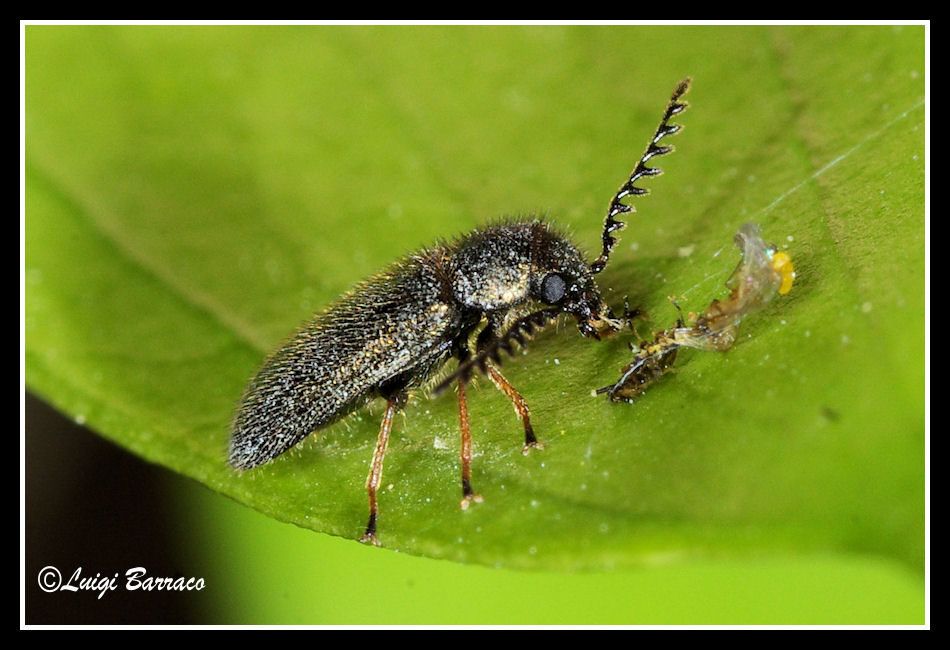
193	194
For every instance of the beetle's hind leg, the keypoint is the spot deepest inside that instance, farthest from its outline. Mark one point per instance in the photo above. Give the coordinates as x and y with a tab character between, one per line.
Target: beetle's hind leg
393	404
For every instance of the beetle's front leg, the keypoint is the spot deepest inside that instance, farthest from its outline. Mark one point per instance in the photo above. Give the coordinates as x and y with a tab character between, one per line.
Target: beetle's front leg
521	407
485	338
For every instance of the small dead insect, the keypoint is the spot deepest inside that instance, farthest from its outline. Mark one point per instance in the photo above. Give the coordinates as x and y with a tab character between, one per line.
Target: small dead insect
395	330
762	273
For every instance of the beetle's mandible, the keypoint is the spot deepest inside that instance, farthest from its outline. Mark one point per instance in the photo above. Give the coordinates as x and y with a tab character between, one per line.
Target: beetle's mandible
395	330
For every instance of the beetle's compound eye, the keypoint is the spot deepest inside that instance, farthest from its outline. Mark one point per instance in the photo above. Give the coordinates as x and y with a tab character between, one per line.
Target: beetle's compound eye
552	288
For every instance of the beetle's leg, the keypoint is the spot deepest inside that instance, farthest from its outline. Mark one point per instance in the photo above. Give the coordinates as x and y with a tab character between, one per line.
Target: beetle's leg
394	403
485	338
521	406
468	495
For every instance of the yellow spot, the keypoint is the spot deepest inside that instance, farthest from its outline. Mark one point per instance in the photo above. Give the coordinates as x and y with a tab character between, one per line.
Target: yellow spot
782	264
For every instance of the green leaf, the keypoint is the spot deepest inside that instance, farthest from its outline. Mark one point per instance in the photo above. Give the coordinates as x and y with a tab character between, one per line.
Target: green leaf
193	194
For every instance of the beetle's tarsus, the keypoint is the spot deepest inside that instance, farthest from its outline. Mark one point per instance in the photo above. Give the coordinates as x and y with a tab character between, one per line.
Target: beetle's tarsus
469	499
369	538
532	444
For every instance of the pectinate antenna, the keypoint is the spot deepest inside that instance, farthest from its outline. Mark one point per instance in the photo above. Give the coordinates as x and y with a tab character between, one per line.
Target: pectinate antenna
522	329
617	207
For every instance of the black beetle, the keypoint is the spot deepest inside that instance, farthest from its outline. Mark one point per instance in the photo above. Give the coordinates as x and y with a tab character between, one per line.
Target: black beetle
395	330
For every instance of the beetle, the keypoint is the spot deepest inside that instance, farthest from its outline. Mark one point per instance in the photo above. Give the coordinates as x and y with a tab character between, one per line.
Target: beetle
489	289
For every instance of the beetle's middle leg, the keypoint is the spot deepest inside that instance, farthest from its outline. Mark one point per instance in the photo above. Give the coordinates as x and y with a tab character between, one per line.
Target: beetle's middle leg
468	495
485	337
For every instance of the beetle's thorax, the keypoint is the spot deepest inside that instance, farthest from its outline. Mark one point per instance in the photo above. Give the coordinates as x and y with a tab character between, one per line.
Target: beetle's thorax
498	267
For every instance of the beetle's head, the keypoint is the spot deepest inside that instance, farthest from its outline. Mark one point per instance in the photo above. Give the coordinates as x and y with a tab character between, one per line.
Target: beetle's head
594	317
563	279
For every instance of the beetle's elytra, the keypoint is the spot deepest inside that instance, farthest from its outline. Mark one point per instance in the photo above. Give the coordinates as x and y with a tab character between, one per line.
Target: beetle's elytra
470	299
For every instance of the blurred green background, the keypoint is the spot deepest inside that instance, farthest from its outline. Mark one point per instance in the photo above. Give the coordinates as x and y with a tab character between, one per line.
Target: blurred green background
194	192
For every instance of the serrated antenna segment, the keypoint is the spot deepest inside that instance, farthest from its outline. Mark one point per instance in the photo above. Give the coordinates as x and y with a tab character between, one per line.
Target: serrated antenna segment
617	207
519	333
